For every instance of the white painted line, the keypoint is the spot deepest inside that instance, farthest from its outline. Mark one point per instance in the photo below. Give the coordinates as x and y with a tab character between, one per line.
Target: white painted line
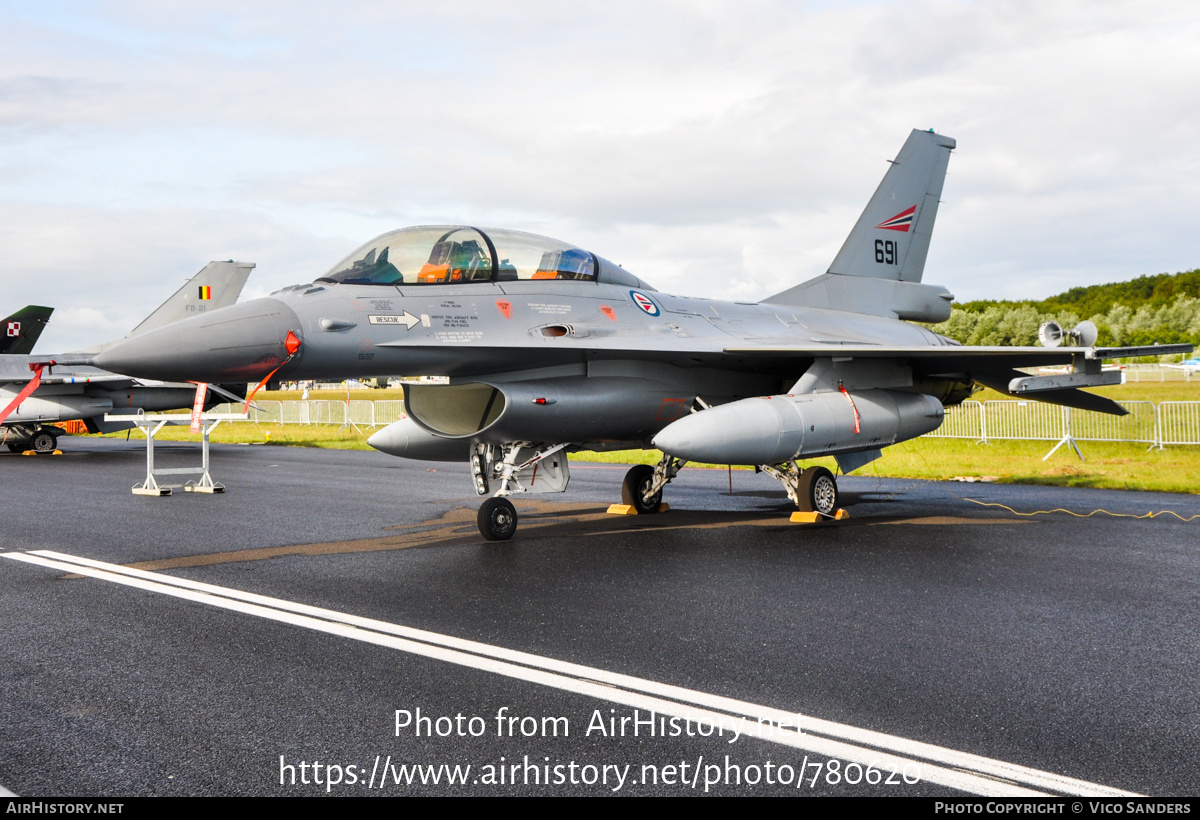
966	772
6	793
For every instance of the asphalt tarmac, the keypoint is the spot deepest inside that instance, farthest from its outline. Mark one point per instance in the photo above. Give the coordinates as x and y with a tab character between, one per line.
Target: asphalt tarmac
928	645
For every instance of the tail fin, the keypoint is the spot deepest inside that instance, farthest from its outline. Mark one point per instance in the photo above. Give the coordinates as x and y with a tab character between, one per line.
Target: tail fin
21	330
217	285
889	243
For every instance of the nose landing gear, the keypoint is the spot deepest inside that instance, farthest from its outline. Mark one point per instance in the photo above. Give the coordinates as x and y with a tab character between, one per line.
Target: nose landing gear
497	519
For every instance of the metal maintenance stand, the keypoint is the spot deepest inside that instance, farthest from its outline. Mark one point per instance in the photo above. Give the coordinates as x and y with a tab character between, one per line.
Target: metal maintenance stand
150	425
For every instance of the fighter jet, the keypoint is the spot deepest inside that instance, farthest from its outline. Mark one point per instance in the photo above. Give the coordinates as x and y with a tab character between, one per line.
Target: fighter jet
22	329
550	348
37	390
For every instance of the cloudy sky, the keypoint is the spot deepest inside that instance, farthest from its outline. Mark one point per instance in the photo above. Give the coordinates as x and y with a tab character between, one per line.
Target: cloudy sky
716	149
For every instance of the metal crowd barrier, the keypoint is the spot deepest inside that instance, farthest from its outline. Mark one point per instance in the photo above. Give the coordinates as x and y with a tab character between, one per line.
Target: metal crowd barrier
1178	422
1155	373
1171	422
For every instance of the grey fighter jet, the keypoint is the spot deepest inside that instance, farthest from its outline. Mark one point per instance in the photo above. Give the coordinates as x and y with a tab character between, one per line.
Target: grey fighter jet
550	348
37	390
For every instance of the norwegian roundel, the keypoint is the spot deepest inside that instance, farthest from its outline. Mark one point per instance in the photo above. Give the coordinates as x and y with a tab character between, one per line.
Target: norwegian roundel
644	302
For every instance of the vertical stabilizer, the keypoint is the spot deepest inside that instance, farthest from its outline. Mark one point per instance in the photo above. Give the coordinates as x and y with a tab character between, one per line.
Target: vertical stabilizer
21	330
891	238
217	285
878	270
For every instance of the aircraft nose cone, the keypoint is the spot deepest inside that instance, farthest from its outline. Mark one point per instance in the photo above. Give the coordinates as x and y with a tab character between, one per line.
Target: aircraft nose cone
238	343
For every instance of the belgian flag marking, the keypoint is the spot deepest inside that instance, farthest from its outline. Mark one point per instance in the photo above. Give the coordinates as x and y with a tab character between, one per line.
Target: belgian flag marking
205	292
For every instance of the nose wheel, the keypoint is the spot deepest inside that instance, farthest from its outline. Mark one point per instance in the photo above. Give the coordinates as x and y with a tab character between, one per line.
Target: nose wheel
497	519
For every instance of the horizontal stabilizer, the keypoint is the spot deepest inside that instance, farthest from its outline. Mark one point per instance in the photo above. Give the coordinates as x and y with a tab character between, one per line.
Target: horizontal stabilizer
911	301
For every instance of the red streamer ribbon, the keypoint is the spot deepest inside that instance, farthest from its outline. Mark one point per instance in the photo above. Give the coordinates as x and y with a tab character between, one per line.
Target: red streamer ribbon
24	394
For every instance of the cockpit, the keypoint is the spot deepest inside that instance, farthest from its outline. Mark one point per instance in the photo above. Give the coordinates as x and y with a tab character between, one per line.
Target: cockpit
457	254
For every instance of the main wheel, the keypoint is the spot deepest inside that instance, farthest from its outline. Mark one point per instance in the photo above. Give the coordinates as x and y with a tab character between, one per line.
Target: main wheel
43	442
818	491
497	519
633	490
17	448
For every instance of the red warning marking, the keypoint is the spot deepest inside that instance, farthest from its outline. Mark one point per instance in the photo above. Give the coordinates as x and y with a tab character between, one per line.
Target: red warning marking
609	312
505	307
857	426
670	409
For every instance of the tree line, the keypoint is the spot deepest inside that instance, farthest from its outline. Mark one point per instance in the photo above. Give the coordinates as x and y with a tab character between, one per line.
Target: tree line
1162	308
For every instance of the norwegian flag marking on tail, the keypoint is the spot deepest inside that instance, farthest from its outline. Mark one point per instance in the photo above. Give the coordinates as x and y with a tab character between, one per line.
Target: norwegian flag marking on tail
900	222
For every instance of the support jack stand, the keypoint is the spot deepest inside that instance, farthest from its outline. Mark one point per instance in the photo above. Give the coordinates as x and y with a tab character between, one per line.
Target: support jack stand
151	425
1067	439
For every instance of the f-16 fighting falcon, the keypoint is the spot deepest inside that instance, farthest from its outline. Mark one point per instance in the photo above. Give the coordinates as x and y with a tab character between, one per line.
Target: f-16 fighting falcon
550	348
36	390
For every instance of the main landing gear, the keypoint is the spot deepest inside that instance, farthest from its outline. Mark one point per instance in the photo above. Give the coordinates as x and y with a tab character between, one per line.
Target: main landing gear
40	440
643	485
812	490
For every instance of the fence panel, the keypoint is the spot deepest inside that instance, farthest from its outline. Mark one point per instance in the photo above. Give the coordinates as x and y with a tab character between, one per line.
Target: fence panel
1139	426
362	413
962	421
1023	420
1179	422
387	411
266	412
1154	373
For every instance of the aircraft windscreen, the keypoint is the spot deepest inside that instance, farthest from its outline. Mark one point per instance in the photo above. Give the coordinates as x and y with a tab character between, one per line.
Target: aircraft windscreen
529	256
448	254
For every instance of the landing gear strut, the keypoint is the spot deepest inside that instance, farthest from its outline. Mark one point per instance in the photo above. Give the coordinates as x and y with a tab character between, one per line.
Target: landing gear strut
520	467
40	439
643	485
635	490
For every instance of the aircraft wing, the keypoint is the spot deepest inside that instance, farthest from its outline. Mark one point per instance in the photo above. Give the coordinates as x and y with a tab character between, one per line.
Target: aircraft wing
978	356
993	366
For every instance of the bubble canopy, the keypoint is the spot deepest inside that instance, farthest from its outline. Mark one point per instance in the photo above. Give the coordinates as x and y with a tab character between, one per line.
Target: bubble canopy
458	254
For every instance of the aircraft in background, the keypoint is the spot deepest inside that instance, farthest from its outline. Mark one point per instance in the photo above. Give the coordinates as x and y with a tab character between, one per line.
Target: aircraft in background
550	348
1190	366
37	390
22	329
